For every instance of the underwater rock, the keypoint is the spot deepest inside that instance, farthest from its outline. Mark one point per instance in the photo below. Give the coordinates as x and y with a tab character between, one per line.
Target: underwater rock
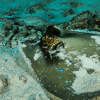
96	26
9	37
50	45
33	30
60	32
52	97
36	22
83	15
71	11
30	32
27	33
2	19
19	33
29	27
80	24
85	20
50	16
7	26
25	29
72	3
13	44
18	22
30	38
31	9
82	18
3	83
86	15
96	98
23	78
34	27
39	34
52	30
37	97
15	29
97	21
35	7
3	33
22	34
76	5
66	13
11	13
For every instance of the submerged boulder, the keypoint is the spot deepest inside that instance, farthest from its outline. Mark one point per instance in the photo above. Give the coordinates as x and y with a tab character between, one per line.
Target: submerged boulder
50	45
85	18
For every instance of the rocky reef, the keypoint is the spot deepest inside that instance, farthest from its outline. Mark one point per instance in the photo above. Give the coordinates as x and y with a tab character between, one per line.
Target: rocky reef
24	29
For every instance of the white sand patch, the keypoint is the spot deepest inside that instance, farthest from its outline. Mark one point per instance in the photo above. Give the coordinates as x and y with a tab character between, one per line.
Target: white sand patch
36	56
97	39
73	52
70	54
24	56
67	62
91	62
85	82
61	53
23	45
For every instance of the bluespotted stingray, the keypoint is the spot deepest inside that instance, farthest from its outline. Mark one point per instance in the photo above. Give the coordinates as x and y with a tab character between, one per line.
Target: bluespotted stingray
75	73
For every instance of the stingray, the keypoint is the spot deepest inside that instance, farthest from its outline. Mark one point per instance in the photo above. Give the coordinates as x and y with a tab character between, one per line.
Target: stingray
71	70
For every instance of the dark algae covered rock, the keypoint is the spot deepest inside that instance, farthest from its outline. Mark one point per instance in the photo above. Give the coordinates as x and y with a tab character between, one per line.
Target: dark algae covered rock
49	45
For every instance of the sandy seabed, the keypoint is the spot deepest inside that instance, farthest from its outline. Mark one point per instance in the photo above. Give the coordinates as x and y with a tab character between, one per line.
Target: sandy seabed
21	82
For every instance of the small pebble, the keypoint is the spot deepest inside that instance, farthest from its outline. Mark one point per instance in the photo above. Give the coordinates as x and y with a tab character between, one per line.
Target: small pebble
61	70
67	83
4	43
39	33
56	68
11	51
3	83
36	38
96	72
70	63
6	60
23	78
60	77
